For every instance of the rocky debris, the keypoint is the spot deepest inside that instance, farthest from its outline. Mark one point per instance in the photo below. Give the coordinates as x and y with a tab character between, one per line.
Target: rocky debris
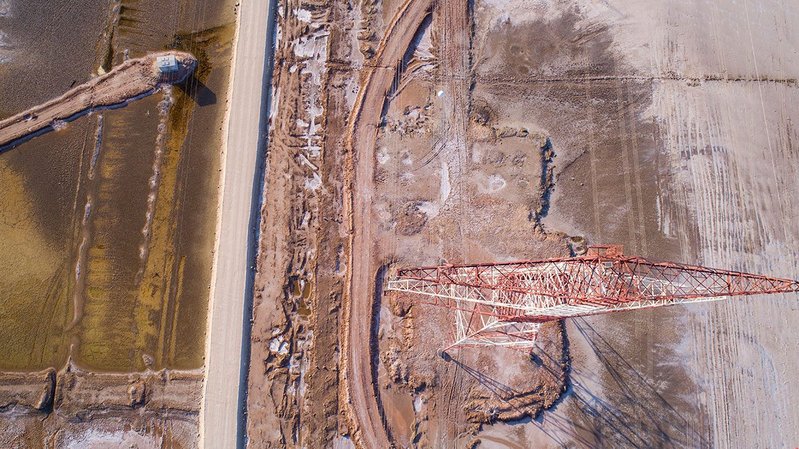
482	114
368	39
399	305
414	120
72	405
397	369
76	392
543	384
547	184
27	390
411	219
506	131
136	392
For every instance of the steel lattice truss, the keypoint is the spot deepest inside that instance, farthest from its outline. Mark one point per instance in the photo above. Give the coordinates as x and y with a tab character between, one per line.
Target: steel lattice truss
504	303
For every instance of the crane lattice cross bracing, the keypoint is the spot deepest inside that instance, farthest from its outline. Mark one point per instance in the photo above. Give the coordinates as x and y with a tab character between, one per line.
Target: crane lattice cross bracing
504	303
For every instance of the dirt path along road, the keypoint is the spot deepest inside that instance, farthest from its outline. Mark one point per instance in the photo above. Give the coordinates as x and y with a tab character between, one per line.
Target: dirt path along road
376	81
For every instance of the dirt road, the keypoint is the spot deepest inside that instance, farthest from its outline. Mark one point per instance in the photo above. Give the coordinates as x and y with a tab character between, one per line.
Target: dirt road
375	84
453	25
221	420
128	81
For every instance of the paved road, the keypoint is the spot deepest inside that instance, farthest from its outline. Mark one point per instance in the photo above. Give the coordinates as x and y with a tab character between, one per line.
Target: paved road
222	418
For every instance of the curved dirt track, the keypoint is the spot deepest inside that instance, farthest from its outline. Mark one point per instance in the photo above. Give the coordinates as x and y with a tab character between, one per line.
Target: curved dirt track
376	80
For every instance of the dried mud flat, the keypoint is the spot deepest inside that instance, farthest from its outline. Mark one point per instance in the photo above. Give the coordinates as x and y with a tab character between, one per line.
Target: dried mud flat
413	133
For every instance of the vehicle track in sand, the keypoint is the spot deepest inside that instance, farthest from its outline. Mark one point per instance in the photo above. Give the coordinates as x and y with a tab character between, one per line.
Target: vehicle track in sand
452	19
361	404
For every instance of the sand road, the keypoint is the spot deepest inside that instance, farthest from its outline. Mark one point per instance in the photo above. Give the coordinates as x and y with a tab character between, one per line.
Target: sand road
221	419
375	84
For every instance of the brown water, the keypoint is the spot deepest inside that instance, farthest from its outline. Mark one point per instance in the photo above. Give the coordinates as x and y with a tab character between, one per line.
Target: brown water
106	226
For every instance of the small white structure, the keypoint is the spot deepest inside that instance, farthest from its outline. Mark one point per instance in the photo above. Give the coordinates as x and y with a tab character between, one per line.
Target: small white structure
167	64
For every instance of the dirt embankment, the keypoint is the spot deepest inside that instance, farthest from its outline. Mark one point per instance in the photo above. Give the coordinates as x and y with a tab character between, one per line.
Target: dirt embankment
43	403
128	81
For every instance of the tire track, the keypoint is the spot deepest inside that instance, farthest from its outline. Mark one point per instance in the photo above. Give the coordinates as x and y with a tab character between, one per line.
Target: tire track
359	400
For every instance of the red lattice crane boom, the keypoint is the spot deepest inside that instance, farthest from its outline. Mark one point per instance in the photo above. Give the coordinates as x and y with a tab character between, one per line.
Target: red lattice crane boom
504	303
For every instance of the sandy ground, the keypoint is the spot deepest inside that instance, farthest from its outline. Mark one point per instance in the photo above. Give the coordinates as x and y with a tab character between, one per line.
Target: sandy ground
76	408
306	230
661	125
688	157
222	423
362	267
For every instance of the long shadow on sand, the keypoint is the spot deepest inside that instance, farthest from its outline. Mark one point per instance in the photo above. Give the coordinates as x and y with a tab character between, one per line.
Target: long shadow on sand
630	412
197	91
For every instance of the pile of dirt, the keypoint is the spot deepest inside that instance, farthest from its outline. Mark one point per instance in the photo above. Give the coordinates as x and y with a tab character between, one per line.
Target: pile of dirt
480	387
410	220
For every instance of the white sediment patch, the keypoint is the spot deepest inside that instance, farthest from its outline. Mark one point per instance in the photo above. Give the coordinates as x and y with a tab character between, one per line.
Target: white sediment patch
429	208
313	51
5	47
519	11
279	345
98	144
445	187
155	178
418	403
275	102
343	442
351	91
314	182
382	156
495	183
80	275
5	9
78	293
97	439
303	15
